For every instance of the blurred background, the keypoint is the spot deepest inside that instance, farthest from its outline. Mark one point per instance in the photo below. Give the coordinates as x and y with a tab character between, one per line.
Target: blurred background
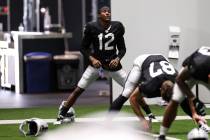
53	30
70	15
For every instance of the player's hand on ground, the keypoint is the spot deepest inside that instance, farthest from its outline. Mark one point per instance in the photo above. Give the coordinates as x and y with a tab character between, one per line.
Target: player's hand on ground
197	118
145	125
114	63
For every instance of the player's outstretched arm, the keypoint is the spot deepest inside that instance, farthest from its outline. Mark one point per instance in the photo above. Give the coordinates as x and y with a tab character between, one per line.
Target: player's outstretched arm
180	80
136	108
145	107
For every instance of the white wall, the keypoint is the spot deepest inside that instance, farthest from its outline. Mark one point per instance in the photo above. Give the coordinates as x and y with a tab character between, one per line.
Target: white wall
146	27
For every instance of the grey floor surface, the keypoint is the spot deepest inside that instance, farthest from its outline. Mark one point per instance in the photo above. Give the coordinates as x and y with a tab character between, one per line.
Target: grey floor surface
91	96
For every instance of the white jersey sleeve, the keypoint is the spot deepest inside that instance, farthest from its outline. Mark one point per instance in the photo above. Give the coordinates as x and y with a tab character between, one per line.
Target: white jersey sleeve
140	59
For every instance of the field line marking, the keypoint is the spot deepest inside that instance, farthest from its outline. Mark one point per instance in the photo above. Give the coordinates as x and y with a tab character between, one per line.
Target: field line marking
158	119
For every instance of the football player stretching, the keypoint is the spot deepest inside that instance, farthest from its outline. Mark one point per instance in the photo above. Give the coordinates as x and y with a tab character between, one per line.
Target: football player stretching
154	76
195	69
108	48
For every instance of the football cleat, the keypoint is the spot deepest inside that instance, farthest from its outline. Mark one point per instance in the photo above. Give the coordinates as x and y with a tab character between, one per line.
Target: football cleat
71	114
62	111
204	127
151	116
65	120
65	115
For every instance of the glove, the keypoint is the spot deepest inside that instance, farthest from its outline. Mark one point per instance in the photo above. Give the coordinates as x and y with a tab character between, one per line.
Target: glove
199	107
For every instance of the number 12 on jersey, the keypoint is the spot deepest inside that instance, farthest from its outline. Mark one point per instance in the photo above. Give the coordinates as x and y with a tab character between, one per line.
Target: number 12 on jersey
106	44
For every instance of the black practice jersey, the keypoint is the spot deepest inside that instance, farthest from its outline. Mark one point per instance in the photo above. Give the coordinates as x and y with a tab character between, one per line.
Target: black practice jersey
107	44
199	64
155	70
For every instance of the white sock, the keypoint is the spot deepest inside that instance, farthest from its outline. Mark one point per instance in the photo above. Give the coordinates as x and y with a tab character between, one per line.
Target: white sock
163	130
